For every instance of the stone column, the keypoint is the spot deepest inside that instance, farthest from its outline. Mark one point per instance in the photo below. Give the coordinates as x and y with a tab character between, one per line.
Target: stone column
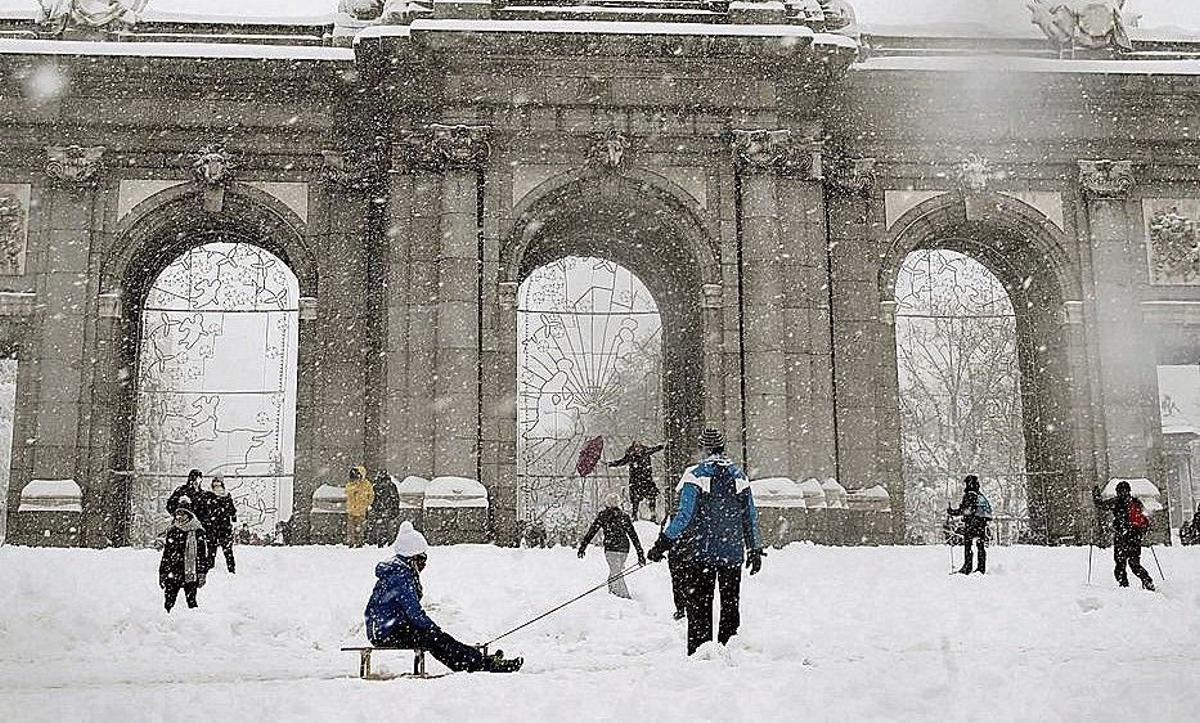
71	214
860	334
785	311
434	318
1128	384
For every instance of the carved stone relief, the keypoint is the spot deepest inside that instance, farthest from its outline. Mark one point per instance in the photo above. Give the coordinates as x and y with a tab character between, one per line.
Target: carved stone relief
14	228
1173	240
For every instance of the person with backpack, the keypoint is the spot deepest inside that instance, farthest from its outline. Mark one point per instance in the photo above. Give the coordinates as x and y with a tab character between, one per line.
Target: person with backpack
1130	525
976	511
714	531
618	533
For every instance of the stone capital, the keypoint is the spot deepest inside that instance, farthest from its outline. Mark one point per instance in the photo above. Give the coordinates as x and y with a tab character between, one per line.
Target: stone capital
506	295
1106	179
853	175
712	296
345	169
74	164
783	151
441	147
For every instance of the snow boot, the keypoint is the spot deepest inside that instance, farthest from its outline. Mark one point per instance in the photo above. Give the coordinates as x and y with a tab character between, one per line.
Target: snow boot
495	663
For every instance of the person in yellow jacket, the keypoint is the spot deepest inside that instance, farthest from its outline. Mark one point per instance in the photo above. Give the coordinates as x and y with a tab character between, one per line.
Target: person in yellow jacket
359	496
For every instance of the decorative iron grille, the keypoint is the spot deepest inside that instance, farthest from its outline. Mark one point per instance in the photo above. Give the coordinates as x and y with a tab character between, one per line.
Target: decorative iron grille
589	354
216	385
960	392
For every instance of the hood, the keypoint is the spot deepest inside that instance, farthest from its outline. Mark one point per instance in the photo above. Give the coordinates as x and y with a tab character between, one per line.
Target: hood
395	566
190	525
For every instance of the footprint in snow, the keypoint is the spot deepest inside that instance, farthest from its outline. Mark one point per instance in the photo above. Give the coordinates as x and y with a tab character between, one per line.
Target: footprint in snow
1089	604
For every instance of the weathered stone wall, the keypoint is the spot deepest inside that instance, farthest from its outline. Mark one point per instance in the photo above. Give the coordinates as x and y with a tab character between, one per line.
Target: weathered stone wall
766	201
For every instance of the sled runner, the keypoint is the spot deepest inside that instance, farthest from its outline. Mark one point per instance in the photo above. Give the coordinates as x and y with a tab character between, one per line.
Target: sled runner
364	663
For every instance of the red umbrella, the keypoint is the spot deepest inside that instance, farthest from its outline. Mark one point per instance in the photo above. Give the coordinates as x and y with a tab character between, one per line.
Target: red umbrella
592	450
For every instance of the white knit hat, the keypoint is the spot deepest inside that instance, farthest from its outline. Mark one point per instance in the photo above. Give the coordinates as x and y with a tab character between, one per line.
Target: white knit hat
409	542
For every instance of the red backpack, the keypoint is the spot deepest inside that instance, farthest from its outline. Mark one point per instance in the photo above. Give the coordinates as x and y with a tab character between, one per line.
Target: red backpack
1138	521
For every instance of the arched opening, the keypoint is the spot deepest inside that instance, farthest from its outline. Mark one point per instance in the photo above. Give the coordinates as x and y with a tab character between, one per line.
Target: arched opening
960	391
216	383
1025	252
589	361
640	229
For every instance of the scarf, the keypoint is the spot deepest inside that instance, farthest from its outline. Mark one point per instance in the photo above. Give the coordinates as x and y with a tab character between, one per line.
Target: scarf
190	546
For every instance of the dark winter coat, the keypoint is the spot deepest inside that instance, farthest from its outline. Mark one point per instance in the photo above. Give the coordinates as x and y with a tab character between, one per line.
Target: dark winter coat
1123	532
1189	534
173	567
218	514
618	532
717	520
386	504
194	494
394	611
641	468
968	508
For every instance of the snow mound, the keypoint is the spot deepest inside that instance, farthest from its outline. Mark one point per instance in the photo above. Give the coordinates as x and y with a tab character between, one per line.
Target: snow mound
814	494
835	494
455	492
777	492
60	495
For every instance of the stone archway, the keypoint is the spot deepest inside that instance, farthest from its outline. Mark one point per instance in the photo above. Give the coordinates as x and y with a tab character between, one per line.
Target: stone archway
647	227
150	238
1026	252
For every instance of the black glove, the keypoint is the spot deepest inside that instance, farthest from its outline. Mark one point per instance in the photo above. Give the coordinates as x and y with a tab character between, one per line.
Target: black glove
582	552
660	548
754	560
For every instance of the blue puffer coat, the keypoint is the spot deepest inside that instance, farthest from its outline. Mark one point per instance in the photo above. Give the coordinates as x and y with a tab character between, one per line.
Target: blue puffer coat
717	520
394	612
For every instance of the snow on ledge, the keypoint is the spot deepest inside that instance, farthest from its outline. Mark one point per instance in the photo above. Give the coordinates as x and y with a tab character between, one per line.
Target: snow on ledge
22	46
455	492
43	495
1008	64
606	27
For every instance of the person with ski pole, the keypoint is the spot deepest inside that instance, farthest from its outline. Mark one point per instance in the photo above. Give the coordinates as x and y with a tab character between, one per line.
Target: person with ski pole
1130	524
976	511
714	531
395	618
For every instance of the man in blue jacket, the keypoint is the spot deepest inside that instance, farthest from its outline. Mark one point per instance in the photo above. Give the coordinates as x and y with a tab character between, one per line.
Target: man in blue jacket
395	617
715	529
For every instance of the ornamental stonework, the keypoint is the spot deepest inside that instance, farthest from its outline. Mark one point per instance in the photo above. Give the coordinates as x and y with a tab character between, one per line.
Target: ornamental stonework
73	164
1106	179
441	147
14	228
783	151
1173	240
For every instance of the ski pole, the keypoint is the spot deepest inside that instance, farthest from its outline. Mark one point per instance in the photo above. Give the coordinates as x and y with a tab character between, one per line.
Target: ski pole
1157	563
578	597
1089	577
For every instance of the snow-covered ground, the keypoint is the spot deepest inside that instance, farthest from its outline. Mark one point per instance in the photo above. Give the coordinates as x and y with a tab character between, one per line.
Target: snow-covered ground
828	634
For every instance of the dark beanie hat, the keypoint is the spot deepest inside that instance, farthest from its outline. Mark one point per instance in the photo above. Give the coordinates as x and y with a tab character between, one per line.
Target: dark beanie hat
712	439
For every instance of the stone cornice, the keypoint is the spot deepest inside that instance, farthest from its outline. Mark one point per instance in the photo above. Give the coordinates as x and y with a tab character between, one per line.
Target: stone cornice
1106	179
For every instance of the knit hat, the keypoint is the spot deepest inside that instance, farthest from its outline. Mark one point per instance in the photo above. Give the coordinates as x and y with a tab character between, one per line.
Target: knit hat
612	500
712	439
185	504
409	542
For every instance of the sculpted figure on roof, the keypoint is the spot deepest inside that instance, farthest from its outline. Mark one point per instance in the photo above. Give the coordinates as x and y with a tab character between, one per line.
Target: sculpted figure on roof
58	15
1088	24
381	12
